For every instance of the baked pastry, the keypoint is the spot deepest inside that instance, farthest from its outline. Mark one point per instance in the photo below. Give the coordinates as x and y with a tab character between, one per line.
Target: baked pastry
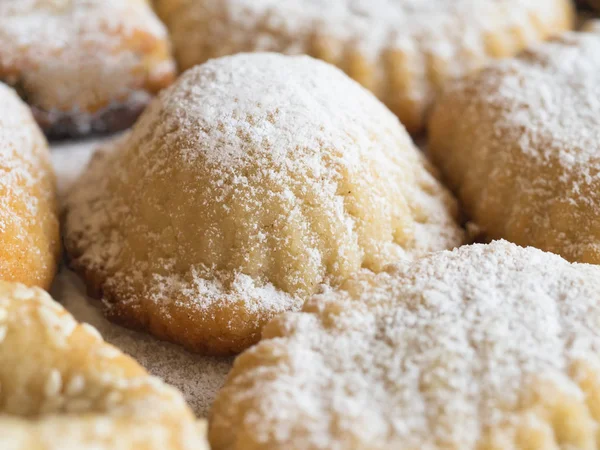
592	26
83	65
63	387
590	4
249	183
29	230
402	50
520	144
485	347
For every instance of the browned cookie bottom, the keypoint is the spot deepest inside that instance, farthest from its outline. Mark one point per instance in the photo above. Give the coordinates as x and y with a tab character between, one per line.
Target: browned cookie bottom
588	4
116	117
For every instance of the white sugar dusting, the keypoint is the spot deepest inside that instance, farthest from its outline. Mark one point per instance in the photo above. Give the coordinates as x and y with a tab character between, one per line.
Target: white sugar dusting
19	155
433	355
80	57
197	377
520	144
550	99
59	397
23	168
244	187
434	26
402	50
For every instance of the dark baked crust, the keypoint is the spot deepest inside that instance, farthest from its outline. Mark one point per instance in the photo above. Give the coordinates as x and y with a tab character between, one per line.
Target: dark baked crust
84	66
116	117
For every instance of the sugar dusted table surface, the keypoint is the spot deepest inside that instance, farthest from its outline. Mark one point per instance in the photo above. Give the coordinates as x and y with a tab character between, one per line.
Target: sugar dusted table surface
198	377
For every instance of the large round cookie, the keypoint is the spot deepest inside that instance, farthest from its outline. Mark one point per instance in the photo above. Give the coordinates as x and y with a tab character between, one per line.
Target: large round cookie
520	144
402	50
487	347
63	387
249	183
83	65
29	230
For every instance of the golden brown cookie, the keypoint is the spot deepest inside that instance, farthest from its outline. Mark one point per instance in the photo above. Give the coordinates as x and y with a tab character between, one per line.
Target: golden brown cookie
592	26
63	387
242	189
29	230
83	65
520	144
402	50
488	347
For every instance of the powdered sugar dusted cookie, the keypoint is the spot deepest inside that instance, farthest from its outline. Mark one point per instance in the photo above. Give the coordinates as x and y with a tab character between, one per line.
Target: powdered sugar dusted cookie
402	50
63	387
29	230
252	181
485	347
83	65
520	144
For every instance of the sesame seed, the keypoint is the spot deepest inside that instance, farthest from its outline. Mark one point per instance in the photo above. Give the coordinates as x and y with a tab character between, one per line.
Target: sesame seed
91	330
53	384
76	385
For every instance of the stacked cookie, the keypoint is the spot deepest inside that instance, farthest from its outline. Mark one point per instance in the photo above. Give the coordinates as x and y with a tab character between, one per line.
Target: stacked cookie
269	204
403	51
61	385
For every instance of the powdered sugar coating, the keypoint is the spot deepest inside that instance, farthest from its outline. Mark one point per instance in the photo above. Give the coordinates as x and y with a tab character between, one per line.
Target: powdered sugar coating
78	61
197	377
402	50
485	347
63	387
245	186
29	234
520	143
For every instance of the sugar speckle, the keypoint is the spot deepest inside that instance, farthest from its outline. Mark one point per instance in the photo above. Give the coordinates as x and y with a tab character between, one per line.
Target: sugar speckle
474	348
244	187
